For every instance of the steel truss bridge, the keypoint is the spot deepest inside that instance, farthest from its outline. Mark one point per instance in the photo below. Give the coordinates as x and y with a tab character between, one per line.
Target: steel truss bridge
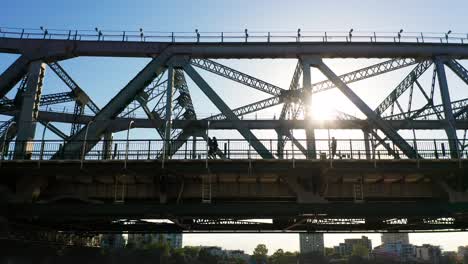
86	182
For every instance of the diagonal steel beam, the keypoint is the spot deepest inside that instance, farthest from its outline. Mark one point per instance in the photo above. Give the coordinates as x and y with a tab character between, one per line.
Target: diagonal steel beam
458	69
11	76
372	116
55	130
345	116
219	103
364	73
450	129
250	108
407	82
80	94
93	131
236	76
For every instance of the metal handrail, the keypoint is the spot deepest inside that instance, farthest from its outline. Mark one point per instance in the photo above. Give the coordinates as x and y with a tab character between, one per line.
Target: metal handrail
144	149
243	36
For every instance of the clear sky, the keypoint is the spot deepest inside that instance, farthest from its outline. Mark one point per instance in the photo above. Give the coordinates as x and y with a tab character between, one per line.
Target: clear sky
105	77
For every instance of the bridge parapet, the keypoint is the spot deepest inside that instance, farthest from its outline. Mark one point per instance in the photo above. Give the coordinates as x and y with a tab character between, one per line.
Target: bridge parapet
235	149
234	37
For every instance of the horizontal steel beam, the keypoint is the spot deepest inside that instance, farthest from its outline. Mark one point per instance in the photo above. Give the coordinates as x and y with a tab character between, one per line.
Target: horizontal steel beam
61	49
61	212
118	124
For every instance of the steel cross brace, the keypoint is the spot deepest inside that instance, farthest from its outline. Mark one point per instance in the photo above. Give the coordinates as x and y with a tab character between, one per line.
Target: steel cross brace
344	116
237	76
94	130
211	94
80	95
372	116
458	69
353	76
407	82
427	112
287	107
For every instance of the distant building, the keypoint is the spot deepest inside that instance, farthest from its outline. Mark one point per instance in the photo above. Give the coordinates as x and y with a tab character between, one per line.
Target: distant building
428	253
174	240
215	251
311	242
112	241
395	238
397	251
237	254
346	248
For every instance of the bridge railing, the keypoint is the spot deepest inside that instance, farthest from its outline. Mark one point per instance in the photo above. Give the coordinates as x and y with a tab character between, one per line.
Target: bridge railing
350	149
245	36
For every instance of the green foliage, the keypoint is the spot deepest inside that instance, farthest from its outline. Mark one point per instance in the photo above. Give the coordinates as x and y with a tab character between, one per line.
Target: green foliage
360	251
260	253
162	247
191	252
204	256
281	257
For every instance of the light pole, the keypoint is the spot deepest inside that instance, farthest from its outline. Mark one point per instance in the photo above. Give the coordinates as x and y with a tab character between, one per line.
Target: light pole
84	143
399	35
126	146
447	35
4	140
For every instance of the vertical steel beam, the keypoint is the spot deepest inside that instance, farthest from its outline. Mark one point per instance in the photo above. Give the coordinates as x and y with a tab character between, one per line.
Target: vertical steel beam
169	93
13	75
107	146
224	108
78	111
366	143
280	144
168	123
29	112
307	86
372	116
448	111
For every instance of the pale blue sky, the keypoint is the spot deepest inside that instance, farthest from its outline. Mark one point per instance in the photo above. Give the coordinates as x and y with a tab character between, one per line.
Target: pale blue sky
104	77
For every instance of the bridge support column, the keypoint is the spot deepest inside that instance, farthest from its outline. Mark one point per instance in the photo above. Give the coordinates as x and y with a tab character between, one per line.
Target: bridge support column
448	111
169	92
107	146
194	147
29	109
366	143
307	85
280	145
